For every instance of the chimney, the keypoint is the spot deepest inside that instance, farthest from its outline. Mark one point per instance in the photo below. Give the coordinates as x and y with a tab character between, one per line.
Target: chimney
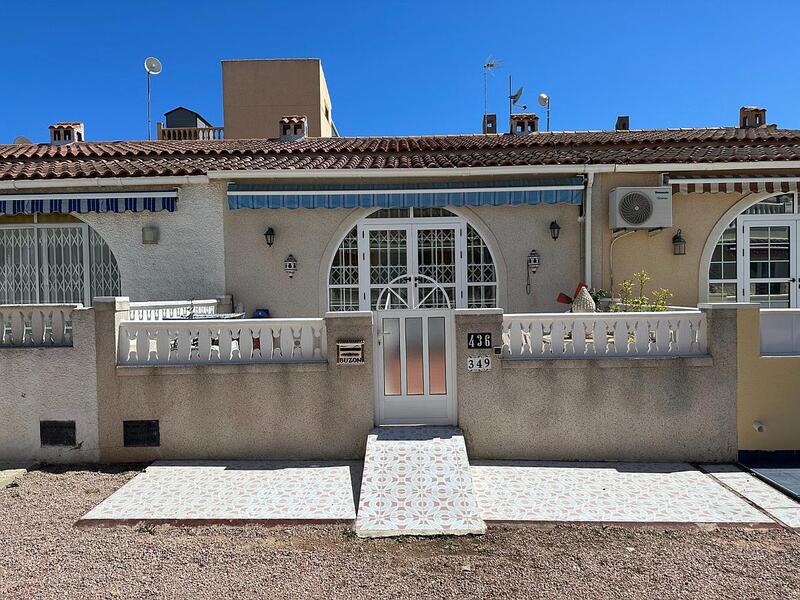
490	123
524	123
293	127
66	132
752	116
623	123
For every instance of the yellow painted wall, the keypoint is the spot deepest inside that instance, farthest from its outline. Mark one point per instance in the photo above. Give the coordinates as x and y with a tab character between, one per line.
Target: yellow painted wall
694	214
768	391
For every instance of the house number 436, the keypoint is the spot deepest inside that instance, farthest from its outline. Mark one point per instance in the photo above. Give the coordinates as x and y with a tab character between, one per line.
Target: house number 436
479	340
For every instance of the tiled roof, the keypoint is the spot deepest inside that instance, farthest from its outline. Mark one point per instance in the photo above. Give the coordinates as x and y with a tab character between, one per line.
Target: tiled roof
198	157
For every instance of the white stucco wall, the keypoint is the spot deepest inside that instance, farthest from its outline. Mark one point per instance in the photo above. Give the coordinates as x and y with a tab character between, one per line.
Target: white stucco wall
188	261
50	384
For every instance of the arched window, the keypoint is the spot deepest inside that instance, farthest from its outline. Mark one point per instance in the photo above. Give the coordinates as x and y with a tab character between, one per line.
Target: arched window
55	263
756	257
433	243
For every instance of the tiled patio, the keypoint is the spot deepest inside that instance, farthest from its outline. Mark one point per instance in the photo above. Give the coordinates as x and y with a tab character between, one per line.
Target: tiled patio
418	481
195	492
601	492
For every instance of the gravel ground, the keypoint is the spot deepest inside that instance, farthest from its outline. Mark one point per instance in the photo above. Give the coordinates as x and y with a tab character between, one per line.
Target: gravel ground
44	556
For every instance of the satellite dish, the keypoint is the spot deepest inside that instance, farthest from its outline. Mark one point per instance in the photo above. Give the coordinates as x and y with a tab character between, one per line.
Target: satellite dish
152	65
544	99
516	96
21	139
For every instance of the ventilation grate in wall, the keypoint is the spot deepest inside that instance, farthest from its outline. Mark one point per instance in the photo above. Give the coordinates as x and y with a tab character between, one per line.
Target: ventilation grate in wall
57	433
141	433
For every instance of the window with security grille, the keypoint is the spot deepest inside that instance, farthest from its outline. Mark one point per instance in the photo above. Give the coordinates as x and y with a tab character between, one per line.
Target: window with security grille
49	263
57	433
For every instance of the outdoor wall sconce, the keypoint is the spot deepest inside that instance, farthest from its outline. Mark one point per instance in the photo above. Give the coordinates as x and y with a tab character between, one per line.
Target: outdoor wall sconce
290	265
678	244
555	229
269	235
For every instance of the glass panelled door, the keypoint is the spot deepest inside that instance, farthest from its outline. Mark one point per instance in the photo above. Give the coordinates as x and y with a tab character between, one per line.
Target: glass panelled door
770	261
433	251
414	370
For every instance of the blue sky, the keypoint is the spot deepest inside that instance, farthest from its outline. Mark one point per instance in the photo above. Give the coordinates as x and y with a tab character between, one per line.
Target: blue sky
404	67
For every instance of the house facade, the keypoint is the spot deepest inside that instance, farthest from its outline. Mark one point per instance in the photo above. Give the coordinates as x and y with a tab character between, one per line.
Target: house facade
383	263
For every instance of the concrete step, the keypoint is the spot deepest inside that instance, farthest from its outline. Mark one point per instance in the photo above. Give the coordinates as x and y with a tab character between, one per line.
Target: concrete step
417	481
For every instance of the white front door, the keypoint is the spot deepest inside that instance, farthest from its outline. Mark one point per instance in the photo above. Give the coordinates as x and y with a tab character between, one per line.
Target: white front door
414	367
769	251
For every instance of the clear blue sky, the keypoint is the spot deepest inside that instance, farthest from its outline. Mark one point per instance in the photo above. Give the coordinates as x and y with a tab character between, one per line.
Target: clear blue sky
398	67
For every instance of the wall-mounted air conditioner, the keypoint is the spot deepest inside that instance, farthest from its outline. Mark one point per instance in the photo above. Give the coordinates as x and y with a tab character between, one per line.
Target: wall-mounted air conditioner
640	208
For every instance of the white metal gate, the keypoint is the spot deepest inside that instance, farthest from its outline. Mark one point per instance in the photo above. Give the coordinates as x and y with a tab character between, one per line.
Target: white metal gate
414	374
55	263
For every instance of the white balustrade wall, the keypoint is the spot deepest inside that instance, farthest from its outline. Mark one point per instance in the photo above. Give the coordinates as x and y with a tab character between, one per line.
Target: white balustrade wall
155	311
220	341
604	335
36	325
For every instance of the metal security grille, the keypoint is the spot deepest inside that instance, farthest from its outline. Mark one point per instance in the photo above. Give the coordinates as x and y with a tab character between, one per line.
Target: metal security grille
52	264
431	245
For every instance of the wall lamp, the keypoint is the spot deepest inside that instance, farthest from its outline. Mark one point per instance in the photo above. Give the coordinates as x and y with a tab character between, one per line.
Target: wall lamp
290	265
555	229
269	235
678	244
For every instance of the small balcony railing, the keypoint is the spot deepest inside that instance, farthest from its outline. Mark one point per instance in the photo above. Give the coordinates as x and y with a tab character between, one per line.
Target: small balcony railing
190	133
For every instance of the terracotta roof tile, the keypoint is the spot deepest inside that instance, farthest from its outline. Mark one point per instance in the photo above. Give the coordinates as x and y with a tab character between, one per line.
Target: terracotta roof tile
197	157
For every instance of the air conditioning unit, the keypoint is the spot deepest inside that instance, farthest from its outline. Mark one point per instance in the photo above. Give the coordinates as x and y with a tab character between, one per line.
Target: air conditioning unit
640	208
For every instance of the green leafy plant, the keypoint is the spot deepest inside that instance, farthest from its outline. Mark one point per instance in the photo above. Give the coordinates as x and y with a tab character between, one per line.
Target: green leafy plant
632	296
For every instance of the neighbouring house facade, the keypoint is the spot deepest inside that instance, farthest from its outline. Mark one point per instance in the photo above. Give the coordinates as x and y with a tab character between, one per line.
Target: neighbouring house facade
406	280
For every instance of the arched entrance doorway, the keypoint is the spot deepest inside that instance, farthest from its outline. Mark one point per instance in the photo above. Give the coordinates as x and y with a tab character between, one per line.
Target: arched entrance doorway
755	257
58	261
412	250
413	266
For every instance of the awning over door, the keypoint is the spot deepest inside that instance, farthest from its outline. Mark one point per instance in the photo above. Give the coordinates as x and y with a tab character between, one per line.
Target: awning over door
28	204
422	195
733	185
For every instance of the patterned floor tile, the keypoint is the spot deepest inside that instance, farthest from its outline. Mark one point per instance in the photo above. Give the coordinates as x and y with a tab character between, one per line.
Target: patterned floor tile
760	493
417	481
235	490
605	492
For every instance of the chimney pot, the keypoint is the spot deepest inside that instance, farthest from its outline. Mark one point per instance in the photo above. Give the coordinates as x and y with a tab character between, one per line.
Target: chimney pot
66	132
524	123
752	116
490	123
623	123
293	127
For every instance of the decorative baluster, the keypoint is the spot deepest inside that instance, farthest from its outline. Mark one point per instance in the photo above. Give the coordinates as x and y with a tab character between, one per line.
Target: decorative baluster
297	343
684	335
579	337
505	335
163	345
641	332
276	343
225	343
558	333
317	347
203	335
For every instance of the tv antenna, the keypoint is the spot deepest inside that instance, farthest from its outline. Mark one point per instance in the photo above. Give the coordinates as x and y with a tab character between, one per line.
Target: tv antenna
153	67
489	65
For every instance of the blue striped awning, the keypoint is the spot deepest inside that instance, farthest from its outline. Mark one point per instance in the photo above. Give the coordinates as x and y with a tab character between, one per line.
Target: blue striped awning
28	204
422	195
